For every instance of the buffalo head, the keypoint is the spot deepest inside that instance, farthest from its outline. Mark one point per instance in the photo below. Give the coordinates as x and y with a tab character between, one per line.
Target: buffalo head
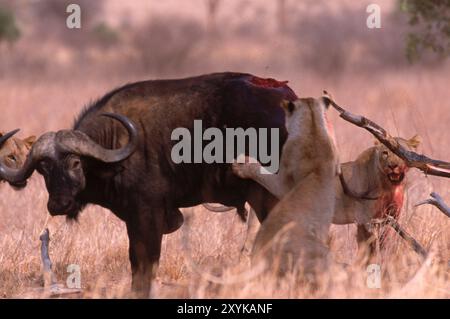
62	158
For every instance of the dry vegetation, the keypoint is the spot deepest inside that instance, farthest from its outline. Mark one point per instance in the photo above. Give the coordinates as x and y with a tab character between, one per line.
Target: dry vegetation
44	90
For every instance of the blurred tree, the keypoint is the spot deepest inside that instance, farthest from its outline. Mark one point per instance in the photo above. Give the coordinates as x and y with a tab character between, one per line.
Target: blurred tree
50	21
9	31
281	14
212	8
167	43
430	20
105	35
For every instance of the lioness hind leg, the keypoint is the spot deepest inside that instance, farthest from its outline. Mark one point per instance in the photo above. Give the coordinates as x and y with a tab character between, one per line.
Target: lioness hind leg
250	234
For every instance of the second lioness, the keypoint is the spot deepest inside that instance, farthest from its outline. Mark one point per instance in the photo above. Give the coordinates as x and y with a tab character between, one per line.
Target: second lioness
13	150
296	230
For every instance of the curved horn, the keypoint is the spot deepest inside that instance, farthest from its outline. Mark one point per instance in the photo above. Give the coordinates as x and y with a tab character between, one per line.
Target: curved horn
43	147
5	137
79	143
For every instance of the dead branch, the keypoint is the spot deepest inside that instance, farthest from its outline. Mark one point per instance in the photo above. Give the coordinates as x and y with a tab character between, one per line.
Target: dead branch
412	159
414	244
438	201
51	287
49	276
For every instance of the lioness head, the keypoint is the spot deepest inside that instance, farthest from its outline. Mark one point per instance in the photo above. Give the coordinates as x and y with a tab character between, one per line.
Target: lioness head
300	111
306	121
14	151
393	167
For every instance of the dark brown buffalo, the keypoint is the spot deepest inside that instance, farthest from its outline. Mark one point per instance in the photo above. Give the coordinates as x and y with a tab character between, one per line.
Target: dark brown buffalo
130	171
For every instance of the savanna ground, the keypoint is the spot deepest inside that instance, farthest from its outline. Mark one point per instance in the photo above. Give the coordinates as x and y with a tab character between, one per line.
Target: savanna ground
45	80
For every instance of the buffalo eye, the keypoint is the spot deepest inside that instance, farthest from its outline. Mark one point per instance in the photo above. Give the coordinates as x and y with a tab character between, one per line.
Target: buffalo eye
44	166
12	157
75	164
385	154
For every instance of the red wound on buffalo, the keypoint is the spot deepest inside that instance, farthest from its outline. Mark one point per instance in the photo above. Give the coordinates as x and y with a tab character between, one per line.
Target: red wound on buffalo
268	83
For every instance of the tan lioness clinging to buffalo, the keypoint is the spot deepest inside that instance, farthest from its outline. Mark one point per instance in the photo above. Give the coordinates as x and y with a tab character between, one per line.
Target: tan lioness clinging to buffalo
296	230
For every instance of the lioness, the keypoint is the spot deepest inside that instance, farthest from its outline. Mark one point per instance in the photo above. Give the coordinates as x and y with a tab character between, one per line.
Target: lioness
380	175
14	151
297	227
377	173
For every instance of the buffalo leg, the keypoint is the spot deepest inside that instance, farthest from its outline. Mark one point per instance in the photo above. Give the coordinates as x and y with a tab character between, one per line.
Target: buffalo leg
145	236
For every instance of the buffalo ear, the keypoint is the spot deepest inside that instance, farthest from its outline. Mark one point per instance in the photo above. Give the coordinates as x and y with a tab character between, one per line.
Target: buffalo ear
29	141
107	171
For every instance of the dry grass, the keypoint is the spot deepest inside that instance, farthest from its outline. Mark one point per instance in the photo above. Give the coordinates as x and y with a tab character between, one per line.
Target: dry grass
408	102
404	100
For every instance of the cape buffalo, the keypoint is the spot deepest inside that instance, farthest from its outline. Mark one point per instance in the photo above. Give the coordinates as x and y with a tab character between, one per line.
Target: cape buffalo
130	171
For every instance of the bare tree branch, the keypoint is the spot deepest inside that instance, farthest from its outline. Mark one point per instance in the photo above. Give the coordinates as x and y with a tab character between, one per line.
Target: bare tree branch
407	237
51	287
49	276
412	159
437	201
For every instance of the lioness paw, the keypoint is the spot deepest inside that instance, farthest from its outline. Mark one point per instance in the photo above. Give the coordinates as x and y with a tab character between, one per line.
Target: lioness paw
245	167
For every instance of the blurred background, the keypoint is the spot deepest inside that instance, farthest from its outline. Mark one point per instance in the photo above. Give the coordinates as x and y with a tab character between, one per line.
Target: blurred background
169	38
315	44
397	75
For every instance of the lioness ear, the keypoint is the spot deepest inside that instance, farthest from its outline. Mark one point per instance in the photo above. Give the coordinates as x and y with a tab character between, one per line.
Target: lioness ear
108	171
327	98
29	141
288	106
326	101
414	141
